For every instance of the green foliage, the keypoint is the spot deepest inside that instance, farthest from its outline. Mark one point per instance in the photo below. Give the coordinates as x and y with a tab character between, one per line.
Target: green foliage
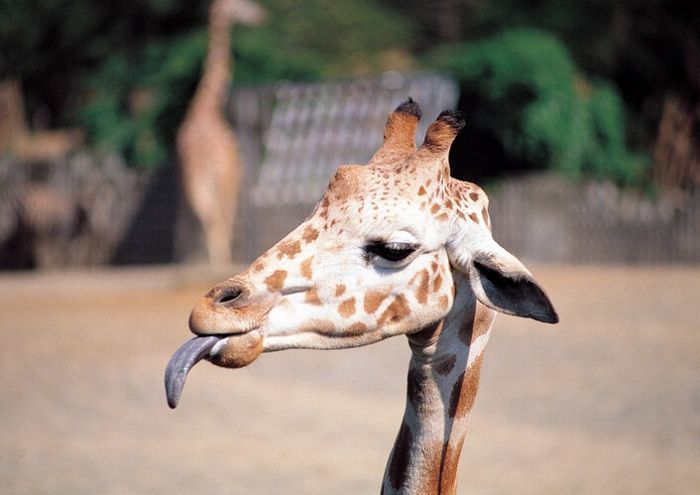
125	70
531	98
341	37
134	104
644	47
263	56
311	39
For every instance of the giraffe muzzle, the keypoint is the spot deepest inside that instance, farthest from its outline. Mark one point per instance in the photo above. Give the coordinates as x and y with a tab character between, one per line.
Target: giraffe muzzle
231	308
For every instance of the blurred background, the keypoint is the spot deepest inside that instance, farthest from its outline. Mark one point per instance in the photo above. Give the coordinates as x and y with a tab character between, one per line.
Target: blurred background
583	125
594	106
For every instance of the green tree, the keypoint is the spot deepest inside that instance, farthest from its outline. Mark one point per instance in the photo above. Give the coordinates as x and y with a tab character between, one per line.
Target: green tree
644	47
523	90
125	69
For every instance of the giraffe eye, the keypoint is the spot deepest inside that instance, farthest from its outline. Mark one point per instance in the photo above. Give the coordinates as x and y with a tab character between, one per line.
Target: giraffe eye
391	251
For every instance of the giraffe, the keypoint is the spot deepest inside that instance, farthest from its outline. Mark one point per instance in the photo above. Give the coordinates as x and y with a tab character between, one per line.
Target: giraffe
394	247
209	161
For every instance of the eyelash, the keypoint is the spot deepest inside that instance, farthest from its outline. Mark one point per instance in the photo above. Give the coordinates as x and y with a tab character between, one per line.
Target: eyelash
391	251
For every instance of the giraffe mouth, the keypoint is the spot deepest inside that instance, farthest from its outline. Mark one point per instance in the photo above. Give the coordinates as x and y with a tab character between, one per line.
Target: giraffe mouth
180	364
227	351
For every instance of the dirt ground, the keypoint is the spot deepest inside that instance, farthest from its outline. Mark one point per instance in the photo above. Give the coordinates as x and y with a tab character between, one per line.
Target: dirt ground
607	402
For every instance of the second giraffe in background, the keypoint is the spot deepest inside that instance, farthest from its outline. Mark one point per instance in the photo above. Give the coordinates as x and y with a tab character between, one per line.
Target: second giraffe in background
209	160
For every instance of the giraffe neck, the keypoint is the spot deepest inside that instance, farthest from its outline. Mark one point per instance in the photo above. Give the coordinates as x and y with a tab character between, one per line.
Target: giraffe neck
216	74
443	378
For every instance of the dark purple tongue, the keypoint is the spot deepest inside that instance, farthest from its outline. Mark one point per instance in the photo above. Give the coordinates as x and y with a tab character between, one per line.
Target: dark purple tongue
189	354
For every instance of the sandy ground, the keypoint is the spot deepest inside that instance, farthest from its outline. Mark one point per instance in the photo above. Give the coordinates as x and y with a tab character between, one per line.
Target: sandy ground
607	402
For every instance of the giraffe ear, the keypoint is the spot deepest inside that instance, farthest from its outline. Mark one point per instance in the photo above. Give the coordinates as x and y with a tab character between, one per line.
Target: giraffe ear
499	279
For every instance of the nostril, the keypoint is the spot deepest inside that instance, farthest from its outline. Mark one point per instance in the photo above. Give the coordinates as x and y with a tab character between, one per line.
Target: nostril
227	294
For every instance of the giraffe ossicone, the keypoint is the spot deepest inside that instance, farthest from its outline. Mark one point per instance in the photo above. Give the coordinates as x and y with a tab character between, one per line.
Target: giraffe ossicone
393	247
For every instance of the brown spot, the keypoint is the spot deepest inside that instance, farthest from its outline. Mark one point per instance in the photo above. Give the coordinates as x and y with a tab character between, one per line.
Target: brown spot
437	283
448	204
306	270
474	196
446	365
442	217
422	191
311	297
258	267
485	215
444	302
374	298
434	208
288	248
465	389
422	290
356	328
347	307
310	234
400	457
474	218
461	215
339	290
395	312
276	281
477	323
434	266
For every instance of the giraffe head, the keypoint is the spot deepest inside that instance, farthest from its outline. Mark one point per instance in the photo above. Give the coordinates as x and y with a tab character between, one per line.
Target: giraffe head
246	12
377	258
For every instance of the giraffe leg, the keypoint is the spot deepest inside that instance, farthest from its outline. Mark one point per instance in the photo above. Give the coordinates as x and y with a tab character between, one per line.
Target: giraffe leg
222	228
218	238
